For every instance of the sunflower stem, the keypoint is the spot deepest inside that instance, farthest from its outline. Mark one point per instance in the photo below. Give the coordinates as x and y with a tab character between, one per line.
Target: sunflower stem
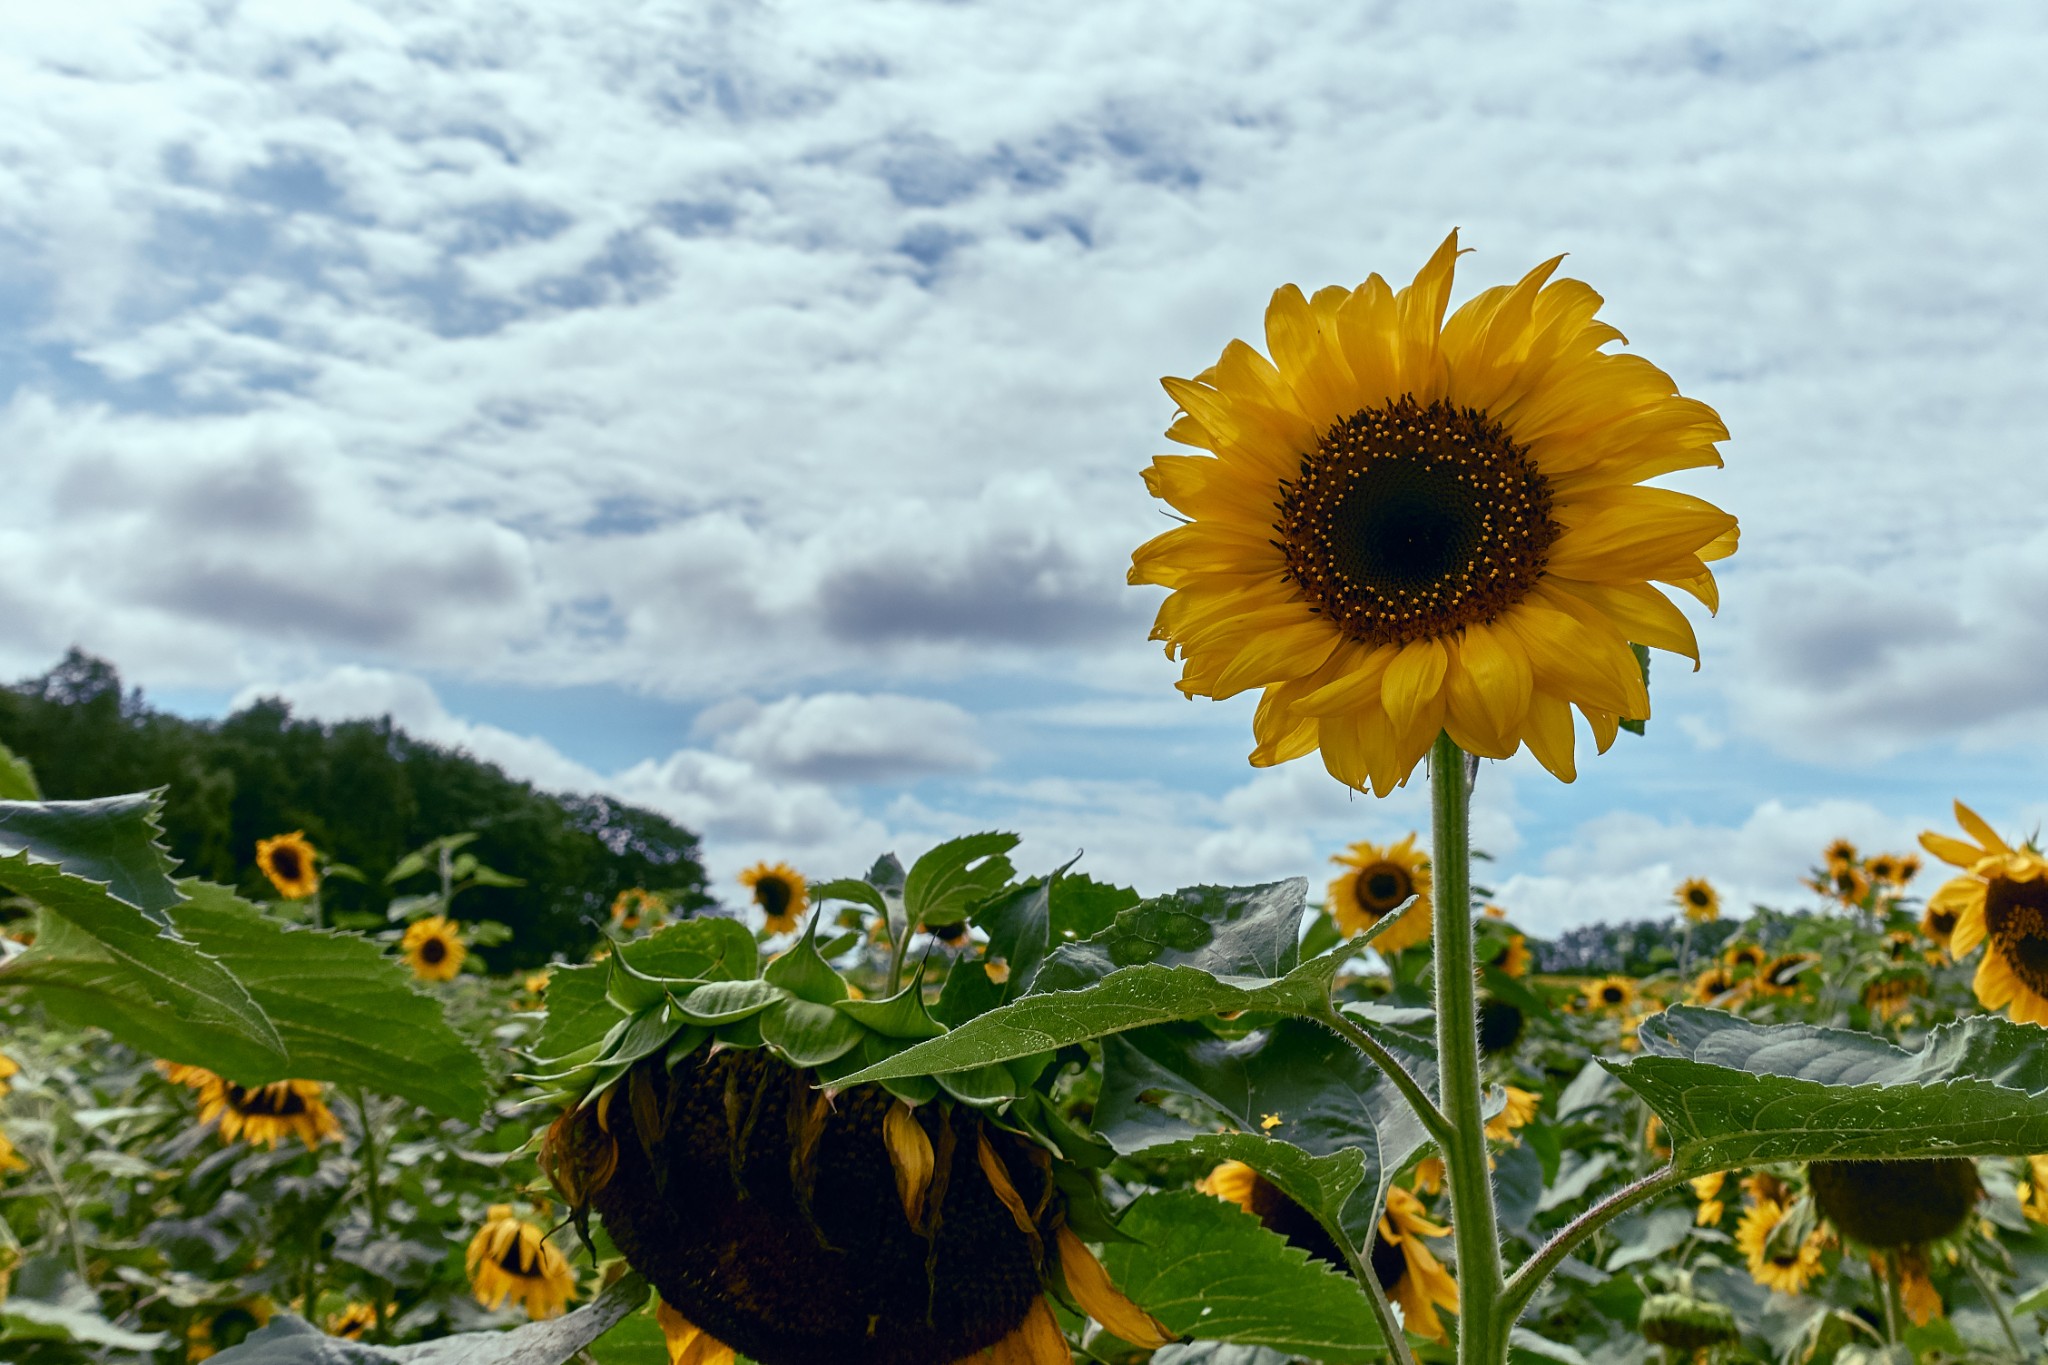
1382	1311
373	1178
1524	1283
1482	1330
1888	1289
1433	1120
1991	1297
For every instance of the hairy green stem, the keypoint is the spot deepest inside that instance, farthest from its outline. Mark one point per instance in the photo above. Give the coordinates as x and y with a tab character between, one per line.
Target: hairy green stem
1433	1121
373	1177
1524	1283
1382	1311
1482	1329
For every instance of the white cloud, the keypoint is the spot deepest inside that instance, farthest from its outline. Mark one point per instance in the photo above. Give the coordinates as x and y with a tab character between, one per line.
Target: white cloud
848	737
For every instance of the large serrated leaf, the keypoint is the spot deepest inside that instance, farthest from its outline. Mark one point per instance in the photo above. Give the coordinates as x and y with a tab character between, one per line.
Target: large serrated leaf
1734	1093
1131	998
948	879
112	841
347	1011
1222	930
1209	1270
100	961
704	949
1295	1082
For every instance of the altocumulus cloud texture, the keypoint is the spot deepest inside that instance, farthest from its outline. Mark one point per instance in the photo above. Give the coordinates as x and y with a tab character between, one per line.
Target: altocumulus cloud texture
794	364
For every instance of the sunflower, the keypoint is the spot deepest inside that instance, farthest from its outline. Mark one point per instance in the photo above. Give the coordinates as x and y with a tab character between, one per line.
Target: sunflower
1407	524
1712	984
1886	996
1513	957
2003	904
1374	883
2033	1191
1408	1270
635	906
1699	900
1781	975
1885	1205
290	863
1839	854
1944	908
435	949
1847	884
781	892
1500	1025
512	1258
1774	1261
228	1325
1614	994
1882	868
1917	1294
1707	1189
9	1069
10	1160
952	935
689	1344
1909	868
263	1114
1520	1108
352	1320
1743	957
1239	1184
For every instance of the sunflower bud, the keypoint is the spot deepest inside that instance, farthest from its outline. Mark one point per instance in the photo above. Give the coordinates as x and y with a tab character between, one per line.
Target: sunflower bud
1684	1323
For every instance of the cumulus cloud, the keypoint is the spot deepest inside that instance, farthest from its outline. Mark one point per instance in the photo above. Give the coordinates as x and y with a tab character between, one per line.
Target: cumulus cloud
847	737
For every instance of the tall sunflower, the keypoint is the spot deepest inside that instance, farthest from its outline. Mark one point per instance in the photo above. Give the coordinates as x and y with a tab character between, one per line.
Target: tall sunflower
264	1114
291	863
1408	524
2003	904
1782	975
434	947
512	1258
781	892
1839	854
1374	883
1699	900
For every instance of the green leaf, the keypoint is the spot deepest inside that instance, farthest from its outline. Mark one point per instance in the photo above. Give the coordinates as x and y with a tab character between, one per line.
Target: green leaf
849	889
1126	999
112	841
578	1014
724	1002
902	1015
1208	1269
950	878
99	961
1018	923
17	778
708	948
804	974
1732	1093
1083	907
347	1012
1224	931
1328	1101
810	1034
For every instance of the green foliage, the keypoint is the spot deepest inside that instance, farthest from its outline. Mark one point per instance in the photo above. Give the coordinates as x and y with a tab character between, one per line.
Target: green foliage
365	793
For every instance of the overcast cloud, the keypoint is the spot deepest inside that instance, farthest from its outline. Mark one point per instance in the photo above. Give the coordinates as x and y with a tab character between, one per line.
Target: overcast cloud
793	364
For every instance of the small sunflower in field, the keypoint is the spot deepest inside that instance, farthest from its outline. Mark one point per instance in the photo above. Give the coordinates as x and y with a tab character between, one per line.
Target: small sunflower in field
1717	986
1707	1190
1889	994
1778	1258
687	1343
1938	920
1700	901
637	906
1512	957
510	1258
352	1320
1375	882
264	1115
2003	904
291	863
781	892
1839	854
1521	1106
1614	995
1407	524
1785	974
1882	868
1744	957
434	947
1408	1270
1847	884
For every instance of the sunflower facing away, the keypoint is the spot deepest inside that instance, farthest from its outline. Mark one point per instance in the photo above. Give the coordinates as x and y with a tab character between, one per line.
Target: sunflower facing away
1699	900
1374	883
510	1258
2003	904
264	1114
435	949
1513	956
781	892
1408	523
291	864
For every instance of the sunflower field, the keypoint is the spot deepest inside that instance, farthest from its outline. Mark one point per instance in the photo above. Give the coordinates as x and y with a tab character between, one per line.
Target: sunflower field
959	1111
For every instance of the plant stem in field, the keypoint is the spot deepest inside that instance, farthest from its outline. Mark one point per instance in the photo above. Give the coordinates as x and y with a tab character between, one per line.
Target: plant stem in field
373	1176
1482	1330
1382	1311
1433	1121
2004	1319
1525	1282
1887	1275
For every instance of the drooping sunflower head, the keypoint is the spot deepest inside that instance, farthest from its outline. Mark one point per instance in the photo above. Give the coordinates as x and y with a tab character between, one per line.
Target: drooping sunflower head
1613	995
434	947
291	863
1241	1185
1699	900
352	1320
1375	882
781	892
511	1258
1899	946
1407	524
265	1115
1888	994
1712	984
1687	1327
216	1329
1887	1204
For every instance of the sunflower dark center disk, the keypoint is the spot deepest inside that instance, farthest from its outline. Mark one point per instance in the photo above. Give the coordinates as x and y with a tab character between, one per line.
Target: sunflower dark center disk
1697	896
1411	521
1896	1203
772	894
1612	995
433	952
1943	922
286	863
1388	1264
275	1101
1382	886
2016	917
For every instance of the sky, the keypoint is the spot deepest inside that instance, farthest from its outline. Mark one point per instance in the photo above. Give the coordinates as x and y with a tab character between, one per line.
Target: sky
740	407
